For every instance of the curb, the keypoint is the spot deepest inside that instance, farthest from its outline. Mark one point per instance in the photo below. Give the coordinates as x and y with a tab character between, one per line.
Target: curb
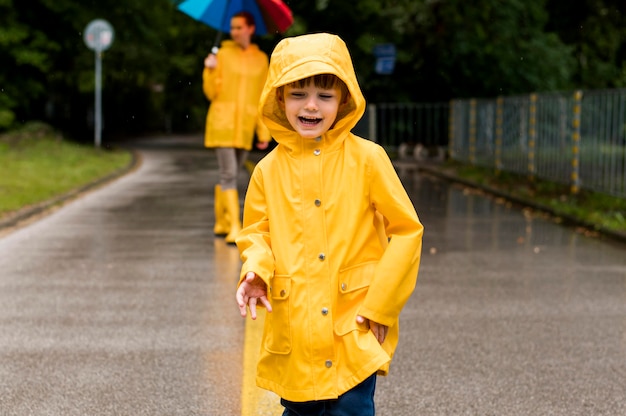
25	215
566	219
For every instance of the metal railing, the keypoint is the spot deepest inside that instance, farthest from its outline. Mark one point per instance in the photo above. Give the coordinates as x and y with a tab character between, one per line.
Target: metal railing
576	138
394	124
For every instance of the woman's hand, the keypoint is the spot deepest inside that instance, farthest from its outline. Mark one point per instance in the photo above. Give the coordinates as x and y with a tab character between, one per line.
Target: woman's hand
210	61
262	145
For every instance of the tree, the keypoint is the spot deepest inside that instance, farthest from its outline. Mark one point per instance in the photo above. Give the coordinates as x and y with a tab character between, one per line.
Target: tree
596	30
152	73
24	52
489	48
448	48
148	73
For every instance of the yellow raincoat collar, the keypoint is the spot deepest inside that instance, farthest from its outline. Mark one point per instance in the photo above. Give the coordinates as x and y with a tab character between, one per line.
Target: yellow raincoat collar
301	57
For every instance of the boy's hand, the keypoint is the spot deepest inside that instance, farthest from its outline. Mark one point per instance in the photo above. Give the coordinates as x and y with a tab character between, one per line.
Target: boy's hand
379	330
251	290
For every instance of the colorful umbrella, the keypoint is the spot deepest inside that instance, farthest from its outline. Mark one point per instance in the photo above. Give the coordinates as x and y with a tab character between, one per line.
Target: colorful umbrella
271	16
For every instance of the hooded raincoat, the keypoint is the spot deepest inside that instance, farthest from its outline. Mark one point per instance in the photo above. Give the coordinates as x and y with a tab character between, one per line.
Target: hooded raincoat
234	88
312	227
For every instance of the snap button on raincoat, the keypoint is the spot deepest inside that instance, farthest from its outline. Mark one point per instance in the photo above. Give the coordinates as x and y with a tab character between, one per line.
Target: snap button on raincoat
330	229
234	88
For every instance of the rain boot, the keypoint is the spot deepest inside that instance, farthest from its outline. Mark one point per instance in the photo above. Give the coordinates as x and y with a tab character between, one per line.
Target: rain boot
222	225
231	201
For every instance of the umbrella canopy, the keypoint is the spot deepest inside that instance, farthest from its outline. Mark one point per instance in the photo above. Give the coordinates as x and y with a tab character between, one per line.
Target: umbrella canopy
271	16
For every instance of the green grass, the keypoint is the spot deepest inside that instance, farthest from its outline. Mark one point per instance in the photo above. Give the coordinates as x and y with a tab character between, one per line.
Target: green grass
37	164
596	209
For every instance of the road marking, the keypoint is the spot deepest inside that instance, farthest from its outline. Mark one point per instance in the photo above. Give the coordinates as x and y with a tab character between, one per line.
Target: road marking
254	400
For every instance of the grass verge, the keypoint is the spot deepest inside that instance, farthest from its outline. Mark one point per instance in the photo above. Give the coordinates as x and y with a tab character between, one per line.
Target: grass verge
600	211
37	164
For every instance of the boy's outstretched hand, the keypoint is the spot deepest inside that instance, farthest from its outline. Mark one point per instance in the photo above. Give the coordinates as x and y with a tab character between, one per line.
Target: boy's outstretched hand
252	290
379	331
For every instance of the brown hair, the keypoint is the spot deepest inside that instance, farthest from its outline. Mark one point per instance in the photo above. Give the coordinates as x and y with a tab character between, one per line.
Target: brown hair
325	81
247	16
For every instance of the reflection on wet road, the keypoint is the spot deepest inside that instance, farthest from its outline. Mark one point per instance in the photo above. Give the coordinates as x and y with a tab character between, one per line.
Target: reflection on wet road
512	314
122	302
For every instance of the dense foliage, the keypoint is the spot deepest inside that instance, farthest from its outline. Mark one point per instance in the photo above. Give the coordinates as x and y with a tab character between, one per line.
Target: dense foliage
445	49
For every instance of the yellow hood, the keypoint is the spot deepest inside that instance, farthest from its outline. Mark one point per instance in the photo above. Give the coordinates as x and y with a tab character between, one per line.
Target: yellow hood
305	56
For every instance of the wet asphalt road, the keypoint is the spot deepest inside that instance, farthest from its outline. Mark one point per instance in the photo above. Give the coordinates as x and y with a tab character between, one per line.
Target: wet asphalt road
121	303
512	315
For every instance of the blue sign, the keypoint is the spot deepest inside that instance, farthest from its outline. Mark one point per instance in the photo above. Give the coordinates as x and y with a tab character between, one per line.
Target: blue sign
385	54
385	66
385	50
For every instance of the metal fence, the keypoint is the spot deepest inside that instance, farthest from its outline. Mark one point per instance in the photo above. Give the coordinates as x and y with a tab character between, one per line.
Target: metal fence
393	124
576	138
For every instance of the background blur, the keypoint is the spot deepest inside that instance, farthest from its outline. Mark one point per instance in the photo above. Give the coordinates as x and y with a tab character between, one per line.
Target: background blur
446	49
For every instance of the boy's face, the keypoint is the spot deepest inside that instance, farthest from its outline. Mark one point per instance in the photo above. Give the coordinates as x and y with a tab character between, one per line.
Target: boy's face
310	110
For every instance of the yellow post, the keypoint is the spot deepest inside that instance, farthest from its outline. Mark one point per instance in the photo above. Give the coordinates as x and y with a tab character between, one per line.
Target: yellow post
532	136
451	130
472	132
575	185
499	133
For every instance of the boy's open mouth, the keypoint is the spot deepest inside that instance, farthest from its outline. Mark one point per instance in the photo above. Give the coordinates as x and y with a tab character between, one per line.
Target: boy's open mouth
309	121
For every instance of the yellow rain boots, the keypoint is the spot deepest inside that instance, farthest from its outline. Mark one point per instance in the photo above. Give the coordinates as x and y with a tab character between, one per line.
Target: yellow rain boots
231	202
222	223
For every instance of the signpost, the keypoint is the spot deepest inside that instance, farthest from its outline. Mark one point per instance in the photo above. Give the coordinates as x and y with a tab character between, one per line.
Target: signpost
385	54
98	36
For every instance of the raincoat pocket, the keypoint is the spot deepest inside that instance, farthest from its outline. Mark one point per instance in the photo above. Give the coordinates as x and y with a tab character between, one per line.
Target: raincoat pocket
278	323
221	117
354	283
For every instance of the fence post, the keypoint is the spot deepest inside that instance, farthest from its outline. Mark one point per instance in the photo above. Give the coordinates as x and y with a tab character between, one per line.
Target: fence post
472	132
372	128
575	186
532	136
451	151
499	133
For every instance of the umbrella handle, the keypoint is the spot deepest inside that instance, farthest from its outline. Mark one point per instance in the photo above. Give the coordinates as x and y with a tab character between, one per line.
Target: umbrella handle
216	43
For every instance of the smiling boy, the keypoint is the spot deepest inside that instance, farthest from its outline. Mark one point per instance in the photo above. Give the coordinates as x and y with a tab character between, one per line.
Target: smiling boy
312	254
311	104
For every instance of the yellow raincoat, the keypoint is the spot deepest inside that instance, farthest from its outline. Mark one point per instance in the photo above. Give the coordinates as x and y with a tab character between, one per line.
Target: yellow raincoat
311	232
234	88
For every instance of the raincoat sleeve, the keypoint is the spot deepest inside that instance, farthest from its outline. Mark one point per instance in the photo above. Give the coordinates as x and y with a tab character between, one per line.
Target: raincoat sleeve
253	241
396	273
262	132
211	82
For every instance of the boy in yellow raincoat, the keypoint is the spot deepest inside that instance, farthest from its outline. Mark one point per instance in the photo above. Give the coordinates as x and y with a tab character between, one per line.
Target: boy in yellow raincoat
330	244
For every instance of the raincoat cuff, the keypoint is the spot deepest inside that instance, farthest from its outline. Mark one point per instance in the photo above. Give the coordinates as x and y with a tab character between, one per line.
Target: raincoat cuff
246	269
378	317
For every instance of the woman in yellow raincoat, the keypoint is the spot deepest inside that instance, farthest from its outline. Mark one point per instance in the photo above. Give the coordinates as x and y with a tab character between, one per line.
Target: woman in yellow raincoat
233	80
331	242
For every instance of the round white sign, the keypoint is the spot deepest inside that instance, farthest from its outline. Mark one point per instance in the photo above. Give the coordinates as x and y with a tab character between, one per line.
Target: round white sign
99	35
